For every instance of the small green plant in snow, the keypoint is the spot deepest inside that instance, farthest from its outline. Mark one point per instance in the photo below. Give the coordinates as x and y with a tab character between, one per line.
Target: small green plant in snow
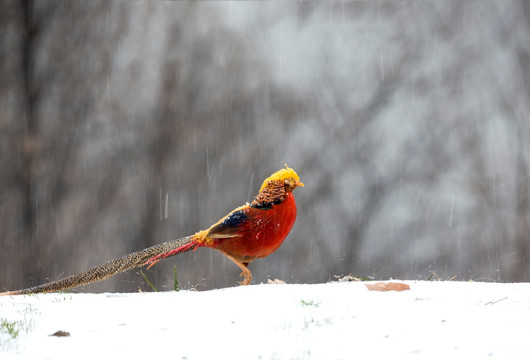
309	303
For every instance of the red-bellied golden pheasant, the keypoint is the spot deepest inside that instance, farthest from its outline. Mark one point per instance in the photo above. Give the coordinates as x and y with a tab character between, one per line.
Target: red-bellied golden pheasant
247	233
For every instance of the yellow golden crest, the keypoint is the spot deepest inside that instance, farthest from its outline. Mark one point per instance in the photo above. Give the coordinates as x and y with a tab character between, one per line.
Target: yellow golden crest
283	174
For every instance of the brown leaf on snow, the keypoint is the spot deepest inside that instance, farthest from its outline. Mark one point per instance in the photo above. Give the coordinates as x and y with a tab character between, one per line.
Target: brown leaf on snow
381	286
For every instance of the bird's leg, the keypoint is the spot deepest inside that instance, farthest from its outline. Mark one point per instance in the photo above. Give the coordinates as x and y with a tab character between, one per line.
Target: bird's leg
246	272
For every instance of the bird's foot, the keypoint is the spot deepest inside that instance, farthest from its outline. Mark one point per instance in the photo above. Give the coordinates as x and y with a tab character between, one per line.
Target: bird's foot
248	278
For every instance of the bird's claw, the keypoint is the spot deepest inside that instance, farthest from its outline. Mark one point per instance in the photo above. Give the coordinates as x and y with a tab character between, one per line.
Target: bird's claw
245	271
247	279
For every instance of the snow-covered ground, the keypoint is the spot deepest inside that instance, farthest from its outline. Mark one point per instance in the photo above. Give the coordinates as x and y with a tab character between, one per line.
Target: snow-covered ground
340	320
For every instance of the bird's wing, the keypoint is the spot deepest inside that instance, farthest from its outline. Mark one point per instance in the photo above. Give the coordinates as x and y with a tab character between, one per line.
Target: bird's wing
231	225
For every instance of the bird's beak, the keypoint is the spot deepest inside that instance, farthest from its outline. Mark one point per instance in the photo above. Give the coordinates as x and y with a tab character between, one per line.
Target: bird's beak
299	183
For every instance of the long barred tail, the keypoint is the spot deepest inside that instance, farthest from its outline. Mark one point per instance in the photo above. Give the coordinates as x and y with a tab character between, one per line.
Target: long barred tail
147	256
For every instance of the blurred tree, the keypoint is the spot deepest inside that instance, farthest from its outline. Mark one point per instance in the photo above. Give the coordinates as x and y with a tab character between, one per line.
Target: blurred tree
520	270
47	103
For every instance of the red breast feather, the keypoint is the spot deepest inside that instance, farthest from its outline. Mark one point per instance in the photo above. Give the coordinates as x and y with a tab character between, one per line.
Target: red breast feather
259	232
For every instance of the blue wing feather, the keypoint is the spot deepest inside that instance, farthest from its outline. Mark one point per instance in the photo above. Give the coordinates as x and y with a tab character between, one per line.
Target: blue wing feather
230	225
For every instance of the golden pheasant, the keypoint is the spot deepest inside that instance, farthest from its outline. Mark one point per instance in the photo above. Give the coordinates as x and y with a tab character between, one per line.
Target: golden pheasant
247	233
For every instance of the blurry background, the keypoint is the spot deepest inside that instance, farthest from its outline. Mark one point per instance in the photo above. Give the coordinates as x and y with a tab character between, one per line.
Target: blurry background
127	124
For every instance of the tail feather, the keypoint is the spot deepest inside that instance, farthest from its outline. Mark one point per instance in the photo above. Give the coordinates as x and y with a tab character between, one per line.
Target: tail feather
185	247
150	256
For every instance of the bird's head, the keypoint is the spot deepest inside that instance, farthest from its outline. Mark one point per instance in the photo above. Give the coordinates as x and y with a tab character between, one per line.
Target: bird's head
288	176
